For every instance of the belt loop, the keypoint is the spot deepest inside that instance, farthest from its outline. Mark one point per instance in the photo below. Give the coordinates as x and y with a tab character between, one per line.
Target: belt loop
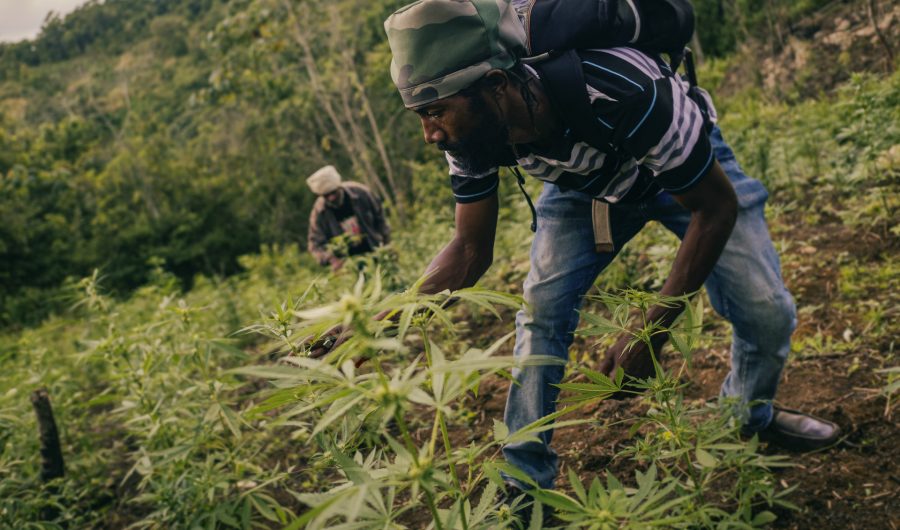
603	240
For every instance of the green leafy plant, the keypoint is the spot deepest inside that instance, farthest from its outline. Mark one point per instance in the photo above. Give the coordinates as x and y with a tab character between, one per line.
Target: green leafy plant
376	412
363	422
708	477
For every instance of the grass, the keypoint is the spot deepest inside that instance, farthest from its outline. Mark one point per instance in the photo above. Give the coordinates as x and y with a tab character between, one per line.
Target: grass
166	419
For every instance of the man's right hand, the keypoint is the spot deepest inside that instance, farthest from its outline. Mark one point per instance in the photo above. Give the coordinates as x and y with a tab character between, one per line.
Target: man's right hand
635	361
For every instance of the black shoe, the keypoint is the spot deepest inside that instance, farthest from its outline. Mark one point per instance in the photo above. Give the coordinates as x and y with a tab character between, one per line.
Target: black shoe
798	431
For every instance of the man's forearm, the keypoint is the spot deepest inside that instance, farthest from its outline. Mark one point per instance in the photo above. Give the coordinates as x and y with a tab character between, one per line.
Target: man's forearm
703	242
713	206
456	266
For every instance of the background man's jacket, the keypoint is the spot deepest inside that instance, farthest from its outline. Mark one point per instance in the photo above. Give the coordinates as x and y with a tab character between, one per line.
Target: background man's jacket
323	225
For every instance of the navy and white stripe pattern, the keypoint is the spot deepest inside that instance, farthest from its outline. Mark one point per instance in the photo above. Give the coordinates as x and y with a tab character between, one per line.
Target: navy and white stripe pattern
655	141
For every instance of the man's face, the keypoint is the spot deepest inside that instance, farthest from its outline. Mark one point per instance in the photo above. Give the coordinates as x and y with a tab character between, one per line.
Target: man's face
335	198
467	127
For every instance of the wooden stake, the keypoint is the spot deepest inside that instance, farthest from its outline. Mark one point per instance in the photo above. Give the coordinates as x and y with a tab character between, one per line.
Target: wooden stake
51	455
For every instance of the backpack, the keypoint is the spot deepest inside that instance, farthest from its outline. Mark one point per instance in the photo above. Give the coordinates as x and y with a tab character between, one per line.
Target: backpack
555	29
655	26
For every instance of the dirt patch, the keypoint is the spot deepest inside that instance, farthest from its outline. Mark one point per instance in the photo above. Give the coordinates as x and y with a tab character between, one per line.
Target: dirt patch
819	52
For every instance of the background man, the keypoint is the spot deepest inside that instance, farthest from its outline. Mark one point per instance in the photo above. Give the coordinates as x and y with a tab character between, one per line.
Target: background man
343	209
456	64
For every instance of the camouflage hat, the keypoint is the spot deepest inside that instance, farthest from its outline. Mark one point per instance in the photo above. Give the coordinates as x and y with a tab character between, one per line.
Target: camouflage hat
442	46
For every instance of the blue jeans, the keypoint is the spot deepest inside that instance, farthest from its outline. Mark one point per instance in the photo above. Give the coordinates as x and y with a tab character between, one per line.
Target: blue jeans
745	287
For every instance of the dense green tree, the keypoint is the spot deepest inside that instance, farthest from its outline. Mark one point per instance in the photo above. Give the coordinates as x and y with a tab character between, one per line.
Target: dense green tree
181	133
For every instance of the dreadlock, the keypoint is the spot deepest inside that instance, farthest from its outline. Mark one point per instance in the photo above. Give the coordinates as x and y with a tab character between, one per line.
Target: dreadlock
520	77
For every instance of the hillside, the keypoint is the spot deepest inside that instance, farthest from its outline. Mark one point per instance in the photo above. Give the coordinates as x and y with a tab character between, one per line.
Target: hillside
155	282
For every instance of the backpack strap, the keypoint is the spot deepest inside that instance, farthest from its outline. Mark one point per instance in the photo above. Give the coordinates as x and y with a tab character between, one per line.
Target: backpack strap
694	90
563	78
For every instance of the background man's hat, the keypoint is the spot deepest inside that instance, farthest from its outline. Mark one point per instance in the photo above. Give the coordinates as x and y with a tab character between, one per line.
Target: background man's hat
324	181
440	47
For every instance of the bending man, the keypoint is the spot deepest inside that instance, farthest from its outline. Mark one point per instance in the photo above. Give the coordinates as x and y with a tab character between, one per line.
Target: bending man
456	65
343	209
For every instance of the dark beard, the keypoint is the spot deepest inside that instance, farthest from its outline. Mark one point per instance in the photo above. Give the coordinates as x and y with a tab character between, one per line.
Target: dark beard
487	147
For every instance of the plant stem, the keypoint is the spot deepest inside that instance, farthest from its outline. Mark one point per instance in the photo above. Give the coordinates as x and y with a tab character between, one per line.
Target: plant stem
414	453
434	432
407	439
439	423
448	449
433	508
434	428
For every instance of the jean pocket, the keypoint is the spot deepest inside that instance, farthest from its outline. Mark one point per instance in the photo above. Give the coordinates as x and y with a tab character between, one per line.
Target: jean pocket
556	203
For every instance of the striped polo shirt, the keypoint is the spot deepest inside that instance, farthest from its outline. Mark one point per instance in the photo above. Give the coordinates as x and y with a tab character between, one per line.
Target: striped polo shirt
654	137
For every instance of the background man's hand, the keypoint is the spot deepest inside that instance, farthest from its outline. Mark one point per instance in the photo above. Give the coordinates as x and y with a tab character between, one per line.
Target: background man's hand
336	264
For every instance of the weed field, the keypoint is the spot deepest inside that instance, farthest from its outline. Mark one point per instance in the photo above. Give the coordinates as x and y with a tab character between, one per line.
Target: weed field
200	409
